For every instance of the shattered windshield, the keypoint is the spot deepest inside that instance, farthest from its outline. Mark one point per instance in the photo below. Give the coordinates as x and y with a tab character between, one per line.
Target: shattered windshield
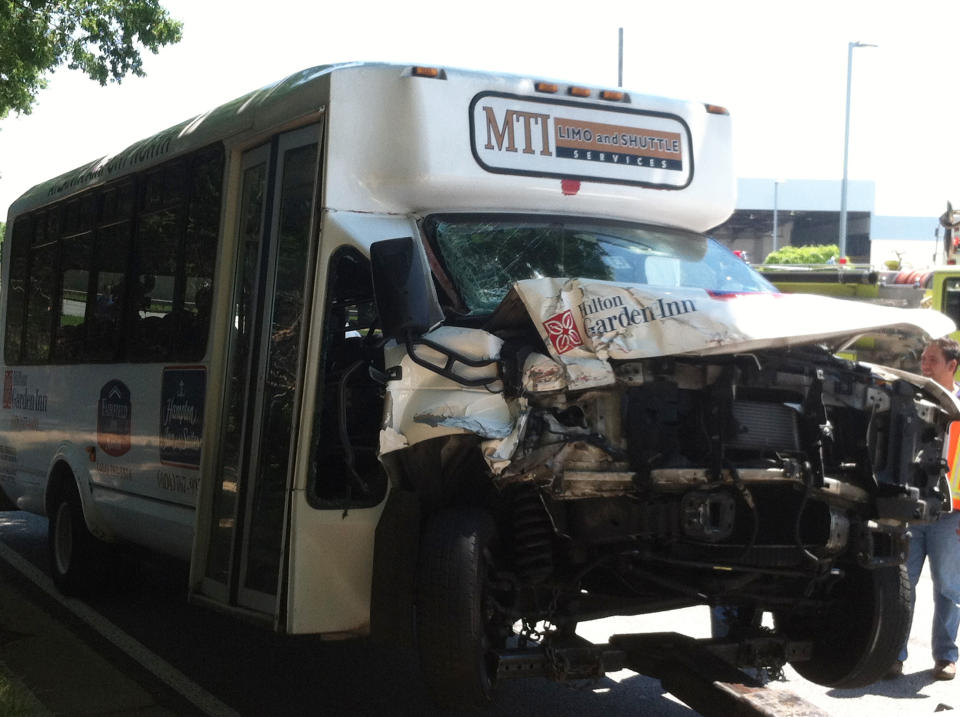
485	255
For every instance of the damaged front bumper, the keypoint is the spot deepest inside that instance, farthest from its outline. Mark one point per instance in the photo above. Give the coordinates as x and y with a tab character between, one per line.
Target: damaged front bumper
723	446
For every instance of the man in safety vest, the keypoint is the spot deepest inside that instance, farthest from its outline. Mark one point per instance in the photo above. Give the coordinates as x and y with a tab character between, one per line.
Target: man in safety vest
939	542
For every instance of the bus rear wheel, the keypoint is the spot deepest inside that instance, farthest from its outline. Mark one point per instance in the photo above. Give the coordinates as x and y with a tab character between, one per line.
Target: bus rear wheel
71	545
457	623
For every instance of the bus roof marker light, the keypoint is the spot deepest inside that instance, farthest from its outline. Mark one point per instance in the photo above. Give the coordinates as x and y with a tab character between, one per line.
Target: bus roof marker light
432	72
579	91
612	95
551	87
716	109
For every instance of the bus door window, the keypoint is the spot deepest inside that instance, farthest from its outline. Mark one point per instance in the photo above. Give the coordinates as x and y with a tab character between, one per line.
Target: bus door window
265	350
282	370
242	325
346	474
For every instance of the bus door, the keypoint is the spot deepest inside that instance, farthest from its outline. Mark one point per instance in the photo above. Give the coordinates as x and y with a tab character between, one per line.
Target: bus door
238	560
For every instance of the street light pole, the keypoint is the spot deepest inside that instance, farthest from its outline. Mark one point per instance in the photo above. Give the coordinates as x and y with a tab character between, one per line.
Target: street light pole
776	184
620	61
846	147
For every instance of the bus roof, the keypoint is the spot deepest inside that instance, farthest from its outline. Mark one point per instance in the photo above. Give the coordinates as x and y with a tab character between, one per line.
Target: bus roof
229	119
425	145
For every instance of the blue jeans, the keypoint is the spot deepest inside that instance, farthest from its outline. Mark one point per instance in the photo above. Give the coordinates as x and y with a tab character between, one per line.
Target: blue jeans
720	618
939	544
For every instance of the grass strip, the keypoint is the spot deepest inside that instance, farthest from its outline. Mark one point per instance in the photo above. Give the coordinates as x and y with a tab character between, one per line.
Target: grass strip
15	699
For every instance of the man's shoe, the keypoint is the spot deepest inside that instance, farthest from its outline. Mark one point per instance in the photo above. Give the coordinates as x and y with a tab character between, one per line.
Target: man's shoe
895	671
944	670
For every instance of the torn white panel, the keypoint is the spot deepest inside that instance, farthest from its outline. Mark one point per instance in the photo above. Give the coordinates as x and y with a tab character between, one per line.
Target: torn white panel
499	452
424	404
584	373
487	416
580	318
431	412
391	440
541	374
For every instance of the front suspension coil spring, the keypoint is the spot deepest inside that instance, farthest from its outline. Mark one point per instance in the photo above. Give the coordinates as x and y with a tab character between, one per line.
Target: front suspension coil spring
533	535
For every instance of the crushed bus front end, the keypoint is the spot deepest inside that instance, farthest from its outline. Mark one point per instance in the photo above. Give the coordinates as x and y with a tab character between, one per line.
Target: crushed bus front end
620	448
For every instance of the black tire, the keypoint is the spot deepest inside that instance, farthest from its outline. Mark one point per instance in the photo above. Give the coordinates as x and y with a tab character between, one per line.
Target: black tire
73	549
857	639
456	626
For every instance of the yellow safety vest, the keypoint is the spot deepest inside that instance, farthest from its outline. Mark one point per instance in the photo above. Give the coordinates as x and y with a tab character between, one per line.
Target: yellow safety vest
951	448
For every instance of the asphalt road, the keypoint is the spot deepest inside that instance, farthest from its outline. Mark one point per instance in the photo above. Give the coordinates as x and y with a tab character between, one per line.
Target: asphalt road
258	673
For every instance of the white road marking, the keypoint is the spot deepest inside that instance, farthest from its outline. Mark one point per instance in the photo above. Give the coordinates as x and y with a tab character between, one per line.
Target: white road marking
163	670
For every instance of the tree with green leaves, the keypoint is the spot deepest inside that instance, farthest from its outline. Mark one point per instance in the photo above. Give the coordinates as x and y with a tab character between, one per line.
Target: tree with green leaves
103	38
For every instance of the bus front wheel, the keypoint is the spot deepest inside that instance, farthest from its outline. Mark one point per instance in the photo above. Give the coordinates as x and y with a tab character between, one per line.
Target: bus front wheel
457	626
857	637
72	547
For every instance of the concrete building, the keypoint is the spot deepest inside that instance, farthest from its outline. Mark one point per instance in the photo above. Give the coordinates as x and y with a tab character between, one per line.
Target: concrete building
915	241
808	212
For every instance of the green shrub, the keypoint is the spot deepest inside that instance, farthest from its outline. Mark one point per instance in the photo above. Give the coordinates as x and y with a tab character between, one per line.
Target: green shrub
819	254
15	701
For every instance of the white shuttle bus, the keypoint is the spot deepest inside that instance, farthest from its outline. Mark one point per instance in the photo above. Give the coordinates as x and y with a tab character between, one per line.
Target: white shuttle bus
446	357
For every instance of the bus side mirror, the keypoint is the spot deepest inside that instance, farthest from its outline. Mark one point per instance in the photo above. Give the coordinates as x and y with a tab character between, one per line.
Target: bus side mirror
403	288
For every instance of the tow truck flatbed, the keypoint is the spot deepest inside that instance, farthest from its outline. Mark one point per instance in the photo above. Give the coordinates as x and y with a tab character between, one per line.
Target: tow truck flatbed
702	673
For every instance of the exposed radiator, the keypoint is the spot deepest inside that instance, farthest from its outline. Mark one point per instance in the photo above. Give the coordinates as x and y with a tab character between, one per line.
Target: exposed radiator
757	425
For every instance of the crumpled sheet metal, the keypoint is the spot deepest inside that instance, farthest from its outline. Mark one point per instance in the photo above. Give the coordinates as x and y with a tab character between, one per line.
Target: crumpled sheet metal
580	318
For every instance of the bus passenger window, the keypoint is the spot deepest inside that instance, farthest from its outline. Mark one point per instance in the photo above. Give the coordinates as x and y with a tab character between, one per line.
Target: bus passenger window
73	301
117	203
174	257
77	293
152	318
74	285
347	393
200	250
109	270
41	289
16	294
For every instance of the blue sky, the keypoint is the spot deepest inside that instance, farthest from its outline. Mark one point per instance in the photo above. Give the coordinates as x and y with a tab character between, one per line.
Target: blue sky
780	67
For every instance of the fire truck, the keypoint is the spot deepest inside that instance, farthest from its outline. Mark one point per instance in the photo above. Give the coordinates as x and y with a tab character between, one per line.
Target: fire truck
937	288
